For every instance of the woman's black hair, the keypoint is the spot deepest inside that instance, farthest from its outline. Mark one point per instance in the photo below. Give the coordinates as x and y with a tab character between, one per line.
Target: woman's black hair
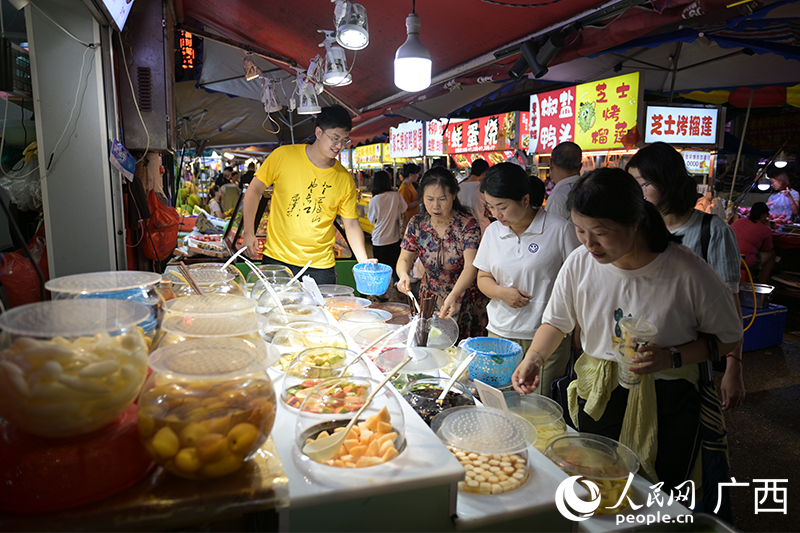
510	181
445	179
213	191
381	182
408	169
613	194
664	167
758	210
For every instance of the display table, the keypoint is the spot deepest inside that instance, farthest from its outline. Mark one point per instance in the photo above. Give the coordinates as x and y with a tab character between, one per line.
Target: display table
162	501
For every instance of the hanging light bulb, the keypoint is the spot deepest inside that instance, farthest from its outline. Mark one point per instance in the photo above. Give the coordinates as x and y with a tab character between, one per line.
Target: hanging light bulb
412	62
251	71
351	25
780	160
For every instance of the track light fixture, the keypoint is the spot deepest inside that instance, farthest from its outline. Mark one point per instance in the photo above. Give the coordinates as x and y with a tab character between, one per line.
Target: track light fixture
350	19
335	72
251	71
537	57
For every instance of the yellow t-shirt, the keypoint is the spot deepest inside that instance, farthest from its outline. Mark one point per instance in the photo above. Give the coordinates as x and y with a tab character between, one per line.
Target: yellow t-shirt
305	202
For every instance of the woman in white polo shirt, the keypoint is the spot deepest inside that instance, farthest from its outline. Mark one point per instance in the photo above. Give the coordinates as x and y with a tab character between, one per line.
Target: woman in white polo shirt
519	258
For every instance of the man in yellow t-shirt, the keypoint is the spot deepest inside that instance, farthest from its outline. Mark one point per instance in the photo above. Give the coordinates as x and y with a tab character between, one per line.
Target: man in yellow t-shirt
309	188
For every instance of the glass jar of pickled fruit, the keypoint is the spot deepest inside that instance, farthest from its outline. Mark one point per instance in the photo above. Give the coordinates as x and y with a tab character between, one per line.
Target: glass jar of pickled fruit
173	285
208	406
69	367
545	414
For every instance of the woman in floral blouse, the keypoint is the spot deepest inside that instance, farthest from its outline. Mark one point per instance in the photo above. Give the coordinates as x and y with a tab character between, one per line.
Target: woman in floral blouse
445	236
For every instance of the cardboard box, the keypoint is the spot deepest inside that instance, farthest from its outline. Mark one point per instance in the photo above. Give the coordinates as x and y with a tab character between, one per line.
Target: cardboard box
767	329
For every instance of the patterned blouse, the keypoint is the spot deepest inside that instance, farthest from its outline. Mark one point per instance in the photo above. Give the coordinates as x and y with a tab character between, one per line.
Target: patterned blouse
443	259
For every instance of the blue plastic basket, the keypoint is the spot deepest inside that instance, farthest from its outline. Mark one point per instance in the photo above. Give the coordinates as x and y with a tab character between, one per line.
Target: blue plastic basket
372	278
496	360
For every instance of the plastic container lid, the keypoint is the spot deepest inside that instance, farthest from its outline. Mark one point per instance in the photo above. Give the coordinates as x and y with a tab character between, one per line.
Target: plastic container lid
638	327
336	290
347	301
534	408
422	359
73	318
592	456
365	316
217	326
216	358
203	277
443	332
211	304
364	335
393	307
102	282
484	430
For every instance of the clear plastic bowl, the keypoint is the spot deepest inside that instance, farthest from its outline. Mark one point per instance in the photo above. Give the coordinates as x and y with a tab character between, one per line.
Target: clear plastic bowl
545	414
129	285
601	460
275	320
69	367
328	407
422	394
207	407
341	304
314	365
367	334
237	274
401	313
276	276
298	336
287	294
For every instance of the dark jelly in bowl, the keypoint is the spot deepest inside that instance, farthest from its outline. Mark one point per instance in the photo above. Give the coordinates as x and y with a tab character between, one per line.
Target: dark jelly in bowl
422	394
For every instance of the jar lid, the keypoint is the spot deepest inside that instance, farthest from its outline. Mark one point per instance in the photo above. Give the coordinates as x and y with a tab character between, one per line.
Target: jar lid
347	301
365	316
73	318
102	282
422	359
335	290
216	358
592	456
203	277
483	430
214	326
211	304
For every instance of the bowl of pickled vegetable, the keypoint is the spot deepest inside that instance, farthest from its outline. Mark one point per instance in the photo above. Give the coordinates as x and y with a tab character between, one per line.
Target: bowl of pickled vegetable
314	365
422	394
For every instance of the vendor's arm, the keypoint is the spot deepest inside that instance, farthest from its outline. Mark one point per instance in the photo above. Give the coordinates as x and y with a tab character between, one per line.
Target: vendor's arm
657	359
451	305
794	200
404	265
355	237
511	296
250	204
526	377
732	386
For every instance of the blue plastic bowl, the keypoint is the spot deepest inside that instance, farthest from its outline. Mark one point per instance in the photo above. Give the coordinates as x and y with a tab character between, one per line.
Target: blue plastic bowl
496	359
372	278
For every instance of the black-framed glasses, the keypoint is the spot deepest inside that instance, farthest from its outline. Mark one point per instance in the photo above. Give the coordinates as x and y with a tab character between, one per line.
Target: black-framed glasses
344	143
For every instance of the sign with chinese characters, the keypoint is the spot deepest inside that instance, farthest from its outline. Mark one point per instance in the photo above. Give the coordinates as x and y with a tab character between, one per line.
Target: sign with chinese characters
595	115
681	125
186	45
406	140
344	158
697	162
466	160
487	134
368	156
605	110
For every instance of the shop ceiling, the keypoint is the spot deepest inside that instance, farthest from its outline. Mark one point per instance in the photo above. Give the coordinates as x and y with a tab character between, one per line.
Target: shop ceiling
472	43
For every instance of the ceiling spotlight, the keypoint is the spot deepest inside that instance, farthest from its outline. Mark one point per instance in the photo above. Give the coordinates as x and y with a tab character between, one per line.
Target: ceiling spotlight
269	98
412	61
308	103
537	58
351	25
251	71
336	72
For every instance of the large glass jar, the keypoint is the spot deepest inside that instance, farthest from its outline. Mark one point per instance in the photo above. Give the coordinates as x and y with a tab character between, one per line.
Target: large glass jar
276	275
70	367
357	318
314	365
296	337
208	406
422	394
183	328
545	414
130	285
293	294
173	285
275	319
210	305
235	272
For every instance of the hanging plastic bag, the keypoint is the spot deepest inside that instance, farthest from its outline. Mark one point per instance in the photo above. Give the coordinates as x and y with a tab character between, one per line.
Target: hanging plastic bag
161	229
19	278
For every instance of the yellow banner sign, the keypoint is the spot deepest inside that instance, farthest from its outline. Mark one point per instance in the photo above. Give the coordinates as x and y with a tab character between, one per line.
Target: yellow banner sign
605	111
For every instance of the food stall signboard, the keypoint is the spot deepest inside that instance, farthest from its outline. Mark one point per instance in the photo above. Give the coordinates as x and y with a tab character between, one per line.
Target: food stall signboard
697	162
595	115
367	156
434	135
406	140
344	158
385	155
487	134
681	125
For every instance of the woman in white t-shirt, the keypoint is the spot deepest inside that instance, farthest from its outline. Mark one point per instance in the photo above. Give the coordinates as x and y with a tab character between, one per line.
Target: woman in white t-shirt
385	213
519	258
631	265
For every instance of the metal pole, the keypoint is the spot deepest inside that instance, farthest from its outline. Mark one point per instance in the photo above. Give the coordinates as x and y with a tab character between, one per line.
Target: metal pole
674	58
739	154
291	126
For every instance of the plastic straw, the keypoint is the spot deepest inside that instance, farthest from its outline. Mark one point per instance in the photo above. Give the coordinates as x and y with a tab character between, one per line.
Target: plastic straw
266	283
